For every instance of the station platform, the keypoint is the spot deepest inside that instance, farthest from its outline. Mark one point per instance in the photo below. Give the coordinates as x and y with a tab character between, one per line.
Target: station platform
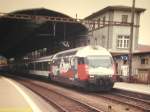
140	88
16	98
10	99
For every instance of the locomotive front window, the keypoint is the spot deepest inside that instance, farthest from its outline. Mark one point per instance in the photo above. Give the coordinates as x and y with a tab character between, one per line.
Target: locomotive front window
99	61
81	60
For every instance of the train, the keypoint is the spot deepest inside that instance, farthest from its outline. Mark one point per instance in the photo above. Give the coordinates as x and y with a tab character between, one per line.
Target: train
3	64
4	68
88	67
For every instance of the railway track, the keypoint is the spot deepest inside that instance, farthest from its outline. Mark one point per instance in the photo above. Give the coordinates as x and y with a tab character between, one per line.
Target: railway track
126	98
61	102
133	95
114	101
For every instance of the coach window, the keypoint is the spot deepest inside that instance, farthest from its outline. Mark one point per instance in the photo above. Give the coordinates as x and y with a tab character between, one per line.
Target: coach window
35	66
39	66
31	66
45	64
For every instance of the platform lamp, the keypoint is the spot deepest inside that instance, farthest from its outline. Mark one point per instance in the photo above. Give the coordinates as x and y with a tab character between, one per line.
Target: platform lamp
131	40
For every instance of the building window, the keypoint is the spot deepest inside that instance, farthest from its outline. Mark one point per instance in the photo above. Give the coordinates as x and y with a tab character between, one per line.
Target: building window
103	41
123	41
90	26
93	28
95	41
98	22
144	60
104	20
124	18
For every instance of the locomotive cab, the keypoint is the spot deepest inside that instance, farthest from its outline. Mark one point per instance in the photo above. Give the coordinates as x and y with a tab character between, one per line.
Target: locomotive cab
96	71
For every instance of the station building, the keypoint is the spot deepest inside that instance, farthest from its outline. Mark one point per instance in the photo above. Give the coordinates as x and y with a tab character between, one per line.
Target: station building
140	65
112	28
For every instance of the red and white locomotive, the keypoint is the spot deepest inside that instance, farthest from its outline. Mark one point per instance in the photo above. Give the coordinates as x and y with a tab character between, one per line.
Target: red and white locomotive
90	67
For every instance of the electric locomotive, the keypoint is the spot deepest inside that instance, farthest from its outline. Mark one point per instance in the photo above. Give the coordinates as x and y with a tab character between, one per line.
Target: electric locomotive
89	67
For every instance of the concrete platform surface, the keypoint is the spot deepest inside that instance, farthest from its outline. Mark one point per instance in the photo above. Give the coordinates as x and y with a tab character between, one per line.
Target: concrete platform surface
141	88
14	97
10	99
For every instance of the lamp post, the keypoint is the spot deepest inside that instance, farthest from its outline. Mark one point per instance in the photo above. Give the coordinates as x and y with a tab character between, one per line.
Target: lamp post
131	40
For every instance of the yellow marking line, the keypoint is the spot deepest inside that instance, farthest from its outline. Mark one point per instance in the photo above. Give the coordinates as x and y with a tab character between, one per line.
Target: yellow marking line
27	109
26	97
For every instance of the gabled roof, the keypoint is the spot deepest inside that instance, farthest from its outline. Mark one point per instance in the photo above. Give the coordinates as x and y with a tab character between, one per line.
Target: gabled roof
112	8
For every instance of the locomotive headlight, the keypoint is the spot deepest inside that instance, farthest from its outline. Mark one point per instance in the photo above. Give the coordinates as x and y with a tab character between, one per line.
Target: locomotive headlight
91	76
110	76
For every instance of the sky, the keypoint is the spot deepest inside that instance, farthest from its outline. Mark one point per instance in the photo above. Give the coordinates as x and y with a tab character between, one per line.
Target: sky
82	8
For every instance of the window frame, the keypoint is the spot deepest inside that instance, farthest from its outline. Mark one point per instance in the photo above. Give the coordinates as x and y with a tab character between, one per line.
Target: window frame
103	42
124	18
144	61
123	41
